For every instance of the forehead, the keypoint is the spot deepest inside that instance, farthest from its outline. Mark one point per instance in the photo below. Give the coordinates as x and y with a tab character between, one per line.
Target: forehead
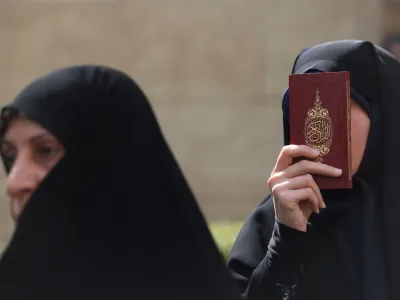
21	129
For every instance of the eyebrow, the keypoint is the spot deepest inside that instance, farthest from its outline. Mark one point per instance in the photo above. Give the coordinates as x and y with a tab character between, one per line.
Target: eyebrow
31	139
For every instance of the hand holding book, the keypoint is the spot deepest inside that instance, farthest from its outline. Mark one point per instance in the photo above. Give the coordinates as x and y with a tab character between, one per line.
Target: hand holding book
319	156
294	190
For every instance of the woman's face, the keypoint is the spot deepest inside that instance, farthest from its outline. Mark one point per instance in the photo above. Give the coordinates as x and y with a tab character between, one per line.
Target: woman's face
31	152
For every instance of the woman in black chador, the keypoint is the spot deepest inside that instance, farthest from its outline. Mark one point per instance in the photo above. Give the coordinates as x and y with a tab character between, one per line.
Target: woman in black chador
303	243
102	209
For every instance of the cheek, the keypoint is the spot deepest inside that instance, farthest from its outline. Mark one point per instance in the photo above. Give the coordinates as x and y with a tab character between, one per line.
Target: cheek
355	137
359	136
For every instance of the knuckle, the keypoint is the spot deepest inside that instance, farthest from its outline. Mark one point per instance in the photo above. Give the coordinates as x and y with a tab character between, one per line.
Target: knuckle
303	163
279	193
309	178
276	190
288	149
273	179
309	191
284	151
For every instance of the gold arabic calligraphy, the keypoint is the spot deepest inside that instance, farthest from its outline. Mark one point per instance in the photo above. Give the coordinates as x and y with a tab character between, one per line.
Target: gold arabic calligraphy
318	129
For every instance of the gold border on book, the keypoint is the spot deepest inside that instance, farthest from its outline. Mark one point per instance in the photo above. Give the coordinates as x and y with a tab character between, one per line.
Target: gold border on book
349	157
318	129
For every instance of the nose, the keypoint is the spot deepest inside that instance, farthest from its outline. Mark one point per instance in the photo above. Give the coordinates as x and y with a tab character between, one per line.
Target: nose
23	179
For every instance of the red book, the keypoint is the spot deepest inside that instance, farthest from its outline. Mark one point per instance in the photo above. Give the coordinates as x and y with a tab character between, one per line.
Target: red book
320	117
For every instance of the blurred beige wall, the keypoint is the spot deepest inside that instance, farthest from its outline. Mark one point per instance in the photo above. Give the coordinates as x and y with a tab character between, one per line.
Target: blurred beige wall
214	71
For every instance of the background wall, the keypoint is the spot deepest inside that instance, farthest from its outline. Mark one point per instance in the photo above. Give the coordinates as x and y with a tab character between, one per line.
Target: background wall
214	71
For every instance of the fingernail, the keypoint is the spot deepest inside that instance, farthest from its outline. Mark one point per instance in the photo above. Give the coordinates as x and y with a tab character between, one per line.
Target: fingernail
338	171
323	205
316	152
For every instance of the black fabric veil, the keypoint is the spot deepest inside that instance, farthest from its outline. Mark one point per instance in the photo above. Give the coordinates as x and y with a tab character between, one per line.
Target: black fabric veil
115	219
365	218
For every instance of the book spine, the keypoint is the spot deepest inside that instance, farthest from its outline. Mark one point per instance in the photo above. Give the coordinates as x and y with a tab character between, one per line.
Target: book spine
350	175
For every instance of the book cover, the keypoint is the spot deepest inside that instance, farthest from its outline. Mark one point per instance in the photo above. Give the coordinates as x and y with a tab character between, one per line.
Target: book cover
320	117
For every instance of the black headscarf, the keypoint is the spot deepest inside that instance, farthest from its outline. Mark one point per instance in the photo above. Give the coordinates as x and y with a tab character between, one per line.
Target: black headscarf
364	221
115	219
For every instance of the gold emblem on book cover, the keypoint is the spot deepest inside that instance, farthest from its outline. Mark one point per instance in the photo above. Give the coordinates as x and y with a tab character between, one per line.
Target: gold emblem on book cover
318	129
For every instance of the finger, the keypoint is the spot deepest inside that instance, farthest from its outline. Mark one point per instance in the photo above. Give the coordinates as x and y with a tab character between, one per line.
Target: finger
289	152
306	208
309	195
310	167
303	182
292	198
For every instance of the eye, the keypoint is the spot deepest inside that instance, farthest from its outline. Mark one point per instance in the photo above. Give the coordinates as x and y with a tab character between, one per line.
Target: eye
48	150
9	153
8	150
